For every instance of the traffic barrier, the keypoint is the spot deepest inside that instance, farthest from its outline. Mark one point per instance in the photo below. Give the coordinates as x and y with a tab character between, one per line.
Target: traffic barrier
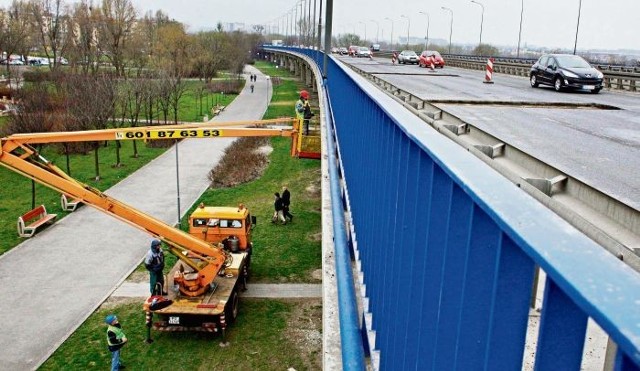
489	74
394	58
431	65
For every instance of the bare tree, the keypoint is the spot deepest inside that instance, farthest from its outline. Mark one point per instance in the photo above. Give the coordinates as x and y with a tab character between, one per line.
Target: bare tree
52	28
95	112
83	48
14	31
119	17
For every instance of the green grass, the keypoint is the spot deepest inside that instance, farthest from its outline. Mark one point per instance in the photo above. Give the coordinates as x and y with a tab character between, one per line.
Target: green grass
257	342
282	253
16	196
190	107
264	335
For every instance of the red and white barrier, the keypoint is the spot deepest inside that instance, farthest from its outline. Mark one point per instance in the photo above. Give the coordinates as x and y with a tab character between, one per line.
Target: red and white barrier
431	65
489	73
394	58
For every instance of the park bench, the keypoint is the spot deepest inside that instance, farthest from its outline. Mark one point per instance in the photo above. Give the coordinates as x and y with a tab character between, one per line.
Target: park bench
215	111
69	204
30	221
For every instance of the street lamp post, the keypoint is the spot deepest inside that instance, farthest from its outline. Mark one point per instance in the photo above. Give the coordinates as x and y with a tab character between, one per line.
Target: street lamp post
389	19
408	27
377	30
426	41
481	19
575	45
365	30
520	31
451	27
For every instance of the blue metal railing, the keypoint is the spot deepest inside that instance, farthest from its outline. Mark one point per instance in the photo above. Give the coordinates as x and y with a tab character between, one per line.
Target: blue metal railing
448	249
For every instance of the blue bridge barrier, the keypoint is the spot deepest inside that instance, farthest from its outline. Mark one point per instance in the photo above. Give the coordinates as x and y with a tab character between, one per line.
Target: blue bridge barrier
448	249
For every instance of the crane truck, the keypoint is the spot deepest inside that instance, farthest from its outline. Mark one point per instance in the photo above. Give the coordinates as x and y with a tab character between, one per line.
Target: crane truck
213	257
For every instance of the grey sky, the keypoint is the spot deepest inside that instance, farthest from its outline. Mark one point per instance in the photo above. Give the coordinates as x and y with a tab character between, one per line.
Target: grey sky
611	24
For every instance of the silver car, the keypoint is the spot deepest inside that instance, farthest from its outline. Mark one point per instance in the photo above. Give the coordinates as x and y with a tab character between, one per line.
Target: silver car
408	56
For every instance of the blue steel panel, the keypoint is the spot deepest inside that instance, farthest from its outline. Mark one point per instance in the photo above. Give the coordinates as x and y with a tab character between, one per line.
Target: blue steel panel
434	241
510	308
418	205
399	249
590	279
450	294
624	363
388	216
562	330
479	280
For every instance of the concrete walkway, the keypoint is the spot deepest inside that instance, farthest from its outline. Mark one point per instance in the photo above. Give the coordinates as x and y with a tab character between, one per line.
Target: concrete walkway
254	290
52	282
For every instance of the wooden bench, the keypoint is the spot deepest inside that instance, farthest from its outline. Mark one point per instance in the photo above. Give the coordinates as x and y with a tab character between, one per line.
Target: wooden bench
215	111
69	204
33	219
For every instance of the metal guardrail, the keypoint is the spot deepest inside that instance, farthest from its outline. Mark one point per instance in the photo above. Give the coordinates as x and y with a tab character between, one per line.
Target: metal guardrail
447	250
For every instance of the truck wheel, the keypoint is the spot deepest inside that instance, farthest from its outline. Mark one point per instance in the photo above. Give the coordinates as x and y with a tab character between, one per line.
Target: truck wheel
231	311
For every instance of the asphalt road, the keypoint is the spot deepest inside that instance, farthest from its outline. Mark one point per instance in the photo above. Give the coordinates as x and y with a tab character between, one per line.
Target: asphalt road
600	147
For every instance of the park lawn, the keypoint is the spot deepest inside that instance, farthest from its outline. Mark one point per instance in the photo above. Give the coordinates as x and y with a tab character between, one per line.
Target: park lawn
264	336
16	192
257	341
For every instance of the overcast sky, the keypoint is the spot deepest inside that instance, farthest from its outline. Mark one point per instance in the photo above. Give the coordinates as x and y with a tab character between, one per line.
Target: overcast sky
610	24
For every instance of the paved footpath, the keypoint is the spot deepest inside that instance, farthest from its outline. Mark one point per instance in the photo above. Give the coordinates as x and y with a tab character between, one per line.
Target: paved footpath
254	290
52	282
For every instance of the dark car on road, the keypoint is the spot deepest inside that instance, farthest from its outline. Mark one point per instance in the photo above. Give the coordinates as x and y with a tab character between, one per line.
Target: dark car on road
565	71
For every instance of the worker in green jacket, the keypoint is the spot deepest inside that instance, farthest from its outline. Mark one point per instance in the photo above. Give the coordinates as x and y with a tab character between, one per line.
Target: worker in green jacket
116	340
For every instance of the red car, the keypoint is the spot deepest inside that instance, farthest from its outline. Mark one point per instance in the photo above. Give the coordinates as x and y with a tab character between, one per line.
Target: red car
428	56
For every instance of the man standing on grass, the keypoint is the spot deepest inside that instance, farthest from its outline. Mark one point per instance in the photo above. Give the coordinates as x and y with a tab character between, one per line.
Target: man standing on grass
116	340
286	201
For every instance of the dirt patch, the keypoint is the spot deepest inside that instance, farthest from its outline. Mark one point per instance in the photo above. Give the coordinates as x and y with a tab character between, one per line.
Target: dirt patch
317	274
304	328
248	151
315	237
314	189
115	302
138	276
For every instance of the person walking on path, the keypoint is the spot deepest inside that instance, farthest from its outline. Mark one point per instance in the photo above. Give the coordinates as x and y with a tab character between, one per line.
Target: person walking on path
116	339
279	207
286	201
252	88
154	262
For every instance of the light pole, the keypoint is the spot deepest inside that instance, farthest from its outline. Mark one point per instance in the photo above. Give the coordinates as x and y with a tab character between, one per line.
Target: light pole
481	20
389	19
268	78
377	30
426	41
365	30
520	31
451	27
408	27
577	27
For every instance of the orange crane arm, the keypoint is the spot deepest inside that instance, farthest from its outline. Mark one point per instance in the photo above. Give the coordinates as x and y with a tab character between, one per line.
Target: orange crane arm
19	156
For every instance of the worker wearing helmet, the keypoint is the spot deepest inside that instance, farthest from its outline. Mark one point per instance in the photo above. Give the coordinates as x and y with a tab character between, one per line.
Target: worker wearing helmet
154	262
116	339
303	110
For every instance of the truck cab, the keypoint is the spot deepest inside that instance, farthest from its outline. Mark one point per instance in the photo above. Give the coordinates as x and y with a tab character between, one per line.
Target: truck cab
229	226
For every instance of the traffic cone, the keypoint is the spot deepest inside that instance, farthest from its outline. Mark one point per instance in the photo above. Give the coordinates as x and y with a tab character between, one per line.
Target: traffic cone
489	72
